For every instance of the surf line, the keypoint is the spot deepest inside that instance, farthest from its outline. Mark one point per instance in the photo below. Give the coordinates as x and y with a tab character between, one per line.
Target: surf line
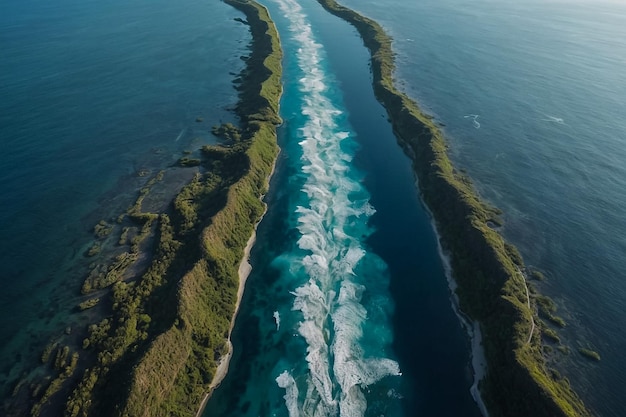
332	222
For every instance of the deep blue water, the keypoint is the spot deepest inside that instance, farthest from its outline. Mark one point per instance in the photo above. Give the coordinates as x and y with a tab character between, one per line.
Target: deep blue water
547	81
91	94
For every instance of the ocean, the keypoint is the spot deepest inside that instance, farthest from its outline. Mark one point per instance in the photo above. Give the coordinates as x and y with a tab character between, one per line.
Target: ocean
347	309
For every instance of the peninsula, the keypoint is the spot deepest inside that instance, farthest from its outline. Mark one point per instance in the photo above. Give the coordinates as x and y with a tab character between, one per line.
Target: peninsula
490	273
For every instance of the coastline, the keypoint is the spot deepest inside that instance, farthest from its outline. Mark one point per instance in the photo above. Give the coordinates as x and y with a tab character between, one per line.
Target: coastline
245	268
479	365
471	327
222	368
257	108
485	267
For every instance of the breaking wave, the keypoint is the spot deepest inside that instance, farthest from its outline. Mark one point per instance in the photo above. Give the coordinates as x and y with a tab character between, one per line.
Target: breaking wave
327	265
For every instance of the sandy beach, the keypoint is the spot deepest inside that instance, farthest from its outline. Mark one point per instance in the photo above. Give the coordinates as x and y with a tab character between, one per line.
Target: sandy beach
222	367
244	271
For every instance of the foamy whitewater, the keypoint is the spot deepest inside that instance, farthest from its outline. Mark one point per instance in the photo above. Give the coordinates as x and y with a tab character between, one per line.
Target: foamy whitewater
330	268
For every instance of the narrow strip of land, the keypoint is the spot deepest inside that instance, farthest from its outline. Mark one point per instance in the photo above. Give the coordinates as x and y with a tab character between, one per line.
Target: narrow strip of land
224	242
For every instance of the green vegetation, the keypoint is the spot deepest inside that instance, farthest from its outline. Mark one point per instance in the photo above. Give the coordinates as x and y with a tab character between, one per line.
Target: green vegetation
557	320
142	225
537	275
227	131
174	374
565	350
547	308
102	276
102	229
91	303
45	355
551	335
546	305
65	371
491	287
589	354
188	162
94	249
60	360
135	212
123	240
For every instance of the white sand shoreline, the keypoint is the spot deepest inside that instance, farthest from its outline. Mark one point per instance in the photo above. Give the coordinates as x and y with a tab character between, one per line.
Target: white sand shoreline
222	367
244	271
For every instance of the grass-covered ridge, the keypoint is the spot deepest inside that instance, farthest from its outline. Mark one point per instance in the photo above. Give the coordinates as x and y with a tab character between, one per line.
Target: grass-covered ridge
491	286
174	375
164	299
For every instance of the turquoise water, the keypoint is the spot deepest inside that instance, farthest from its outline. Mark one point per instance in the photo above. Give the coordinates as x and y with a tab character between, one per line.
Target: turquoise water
92	93
547	81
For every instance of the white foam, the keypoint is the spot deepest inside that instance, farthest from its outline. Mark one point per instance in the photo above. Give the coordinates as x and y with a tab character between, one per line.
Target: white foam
352	403
276	316
317	358
311	301
332	224
286	381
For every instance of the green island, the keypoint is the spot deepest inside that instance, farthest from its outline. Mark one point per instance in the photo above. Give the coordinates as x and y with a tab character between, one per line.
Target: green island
164	286
489	272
